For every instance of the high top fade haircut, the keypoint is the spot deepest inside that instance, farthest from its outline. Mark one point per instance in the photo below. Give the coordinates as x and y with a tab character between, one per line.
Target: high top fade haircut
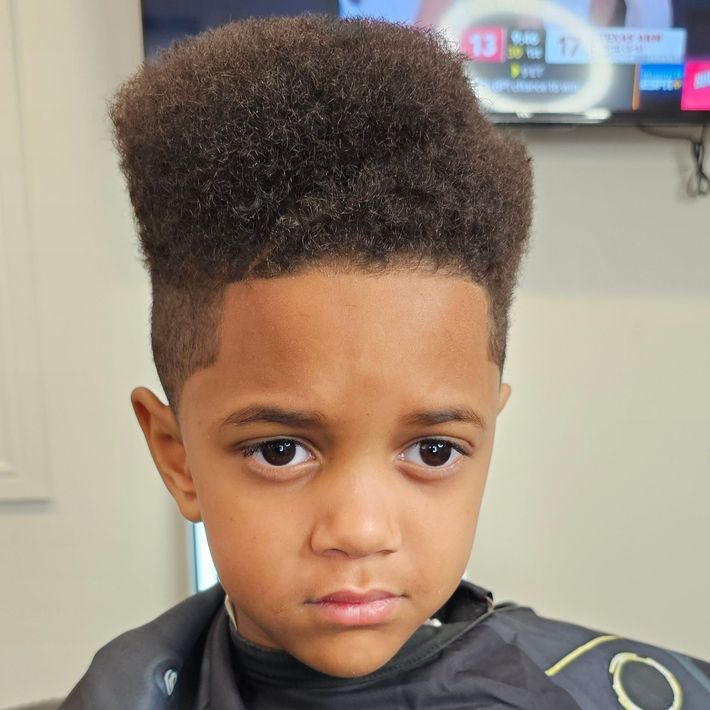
272	145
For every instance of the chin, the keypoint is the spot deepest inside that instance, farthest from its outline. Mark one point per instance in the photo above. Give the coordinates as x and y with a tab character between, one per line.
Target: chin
349	660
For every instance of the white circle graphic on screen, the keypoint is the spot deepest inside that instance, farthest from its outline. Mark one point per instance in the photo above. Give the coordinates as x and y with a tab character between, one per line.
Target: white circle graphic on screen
467	13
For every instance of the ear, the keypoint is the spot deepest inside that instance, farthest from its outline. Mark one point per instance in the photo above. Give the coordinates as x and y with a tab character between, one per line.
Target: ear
162	433
503	396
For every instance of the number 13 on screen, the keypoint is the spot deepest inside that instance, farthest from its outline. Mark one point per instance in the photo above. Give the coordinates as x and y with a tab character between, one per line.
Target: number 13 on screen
484	44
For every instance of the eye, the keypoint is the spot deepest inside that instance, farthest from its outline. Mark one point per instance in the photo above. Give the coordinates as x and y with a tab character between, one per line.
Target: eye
277	452
433	453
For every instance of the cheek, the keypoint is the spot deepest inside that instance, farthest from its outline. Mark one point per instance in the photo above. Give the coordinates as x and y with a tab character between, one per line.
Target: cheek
252	538
239	516
440	545
440	531
251	557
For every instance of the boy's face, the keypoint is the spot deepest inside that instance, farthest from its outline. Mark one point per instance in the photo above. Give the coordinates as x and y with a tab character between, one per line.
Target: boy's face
337	452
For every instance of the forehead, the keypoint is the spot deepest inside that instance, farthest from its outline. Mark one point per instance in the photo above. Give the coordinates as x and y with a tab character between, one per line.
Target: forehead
356	314
325	335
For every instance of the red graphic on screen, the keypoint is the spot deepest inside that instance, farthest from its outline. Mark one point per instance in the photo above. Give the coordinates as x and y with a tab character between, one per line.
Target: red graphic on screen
484	44
696	86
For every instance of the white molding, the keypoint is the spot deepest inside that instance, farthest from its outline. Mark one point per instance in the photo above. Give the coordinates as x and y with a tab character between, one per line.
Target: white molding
24	471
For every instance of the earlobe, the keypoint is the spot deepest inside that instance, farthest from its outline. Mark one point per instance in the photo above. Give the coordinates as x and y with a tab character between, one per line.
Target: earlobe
162	434
503	396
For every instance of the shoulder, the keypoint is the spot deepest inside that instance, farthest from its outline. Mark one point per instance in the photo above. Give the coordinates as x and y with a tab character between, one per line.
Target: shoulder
141	668
601	669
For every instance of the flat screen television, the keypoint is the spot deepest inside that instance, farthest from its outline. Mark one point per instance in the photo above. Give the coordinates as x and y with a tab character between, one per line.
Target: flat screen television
530	61
571	61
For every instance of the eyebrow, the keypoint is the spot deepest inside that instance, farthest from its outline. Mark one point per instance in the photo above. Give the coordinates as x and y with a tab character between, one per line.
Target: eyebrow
274	415
304	419
442	416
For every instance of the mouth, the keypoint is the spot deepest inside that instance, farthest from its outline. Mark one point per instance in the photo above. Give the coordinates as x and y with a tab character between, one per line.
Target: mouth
354	608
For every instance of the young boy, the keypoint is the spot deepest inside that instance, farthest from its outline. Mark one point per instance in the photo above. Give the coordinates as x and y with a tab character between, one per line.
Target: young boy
333	233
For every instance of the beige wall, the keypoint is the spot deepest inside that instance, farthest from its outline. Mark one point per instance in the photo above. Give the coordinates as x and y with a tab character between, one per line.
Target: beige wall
597	501
105	554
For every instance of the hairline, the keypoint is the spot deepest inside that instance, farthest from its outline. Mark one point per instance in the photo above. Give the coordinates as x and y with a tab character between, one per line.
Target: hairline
214	311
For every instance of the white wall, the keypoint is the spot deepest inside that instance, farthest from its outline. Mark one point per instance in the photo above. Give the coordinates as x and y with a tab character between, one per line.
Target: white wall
106	552
596	506
598	500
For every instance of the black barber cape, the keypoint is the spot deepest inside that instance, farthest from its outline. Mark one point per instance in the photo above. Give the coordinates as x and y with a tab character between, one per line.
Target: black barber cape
472	655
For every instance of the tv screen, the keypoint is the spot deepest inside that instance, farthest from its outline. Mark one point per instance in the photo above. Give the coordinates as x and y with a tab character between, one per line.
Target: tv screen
530	61
573	60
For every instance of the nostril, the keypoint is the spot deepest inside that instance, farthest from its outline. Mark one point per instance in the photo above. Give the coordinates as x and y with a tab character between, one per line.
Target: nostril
356	540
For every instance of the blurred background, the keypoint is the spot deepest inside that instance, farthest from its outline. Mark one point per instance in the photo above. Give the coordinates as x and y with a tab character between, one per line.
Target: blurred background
597	503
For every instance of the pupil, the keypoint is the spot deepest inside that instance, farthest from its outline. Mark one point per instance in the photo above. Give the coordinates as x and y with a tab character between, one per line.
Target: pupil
278	453
435	453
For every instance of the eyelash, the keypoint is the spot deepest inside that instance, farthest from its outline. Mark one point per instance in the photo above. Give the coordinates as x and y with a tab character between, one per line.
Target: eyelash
252	449
445	468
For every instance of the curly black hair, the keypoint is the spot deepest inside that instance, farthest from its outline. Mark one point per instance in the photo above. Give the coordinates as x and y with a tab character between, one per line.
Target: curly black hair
271	145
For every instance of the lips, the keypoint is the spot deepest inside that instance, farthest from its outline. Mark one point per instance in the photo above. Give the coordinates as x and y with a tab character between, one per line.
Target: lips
349	597
355	608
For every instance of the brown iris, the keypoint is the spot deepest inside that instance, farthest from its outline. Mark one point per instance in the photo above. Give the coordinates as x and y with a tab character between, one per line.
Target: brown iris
435	453
278	452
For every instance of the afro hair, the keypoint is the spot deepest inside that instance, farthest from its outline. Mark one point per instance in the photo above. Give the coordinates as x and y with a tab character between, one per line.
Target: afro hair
270	145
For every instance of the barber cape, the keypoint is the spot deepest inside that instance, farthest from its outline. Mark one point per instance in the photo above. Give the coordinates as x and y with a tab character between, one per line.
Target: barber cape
470	655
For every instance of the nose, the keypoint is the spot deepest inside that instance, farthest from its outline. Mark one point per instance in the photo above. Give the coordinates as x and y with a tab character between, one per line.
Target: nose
356	515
